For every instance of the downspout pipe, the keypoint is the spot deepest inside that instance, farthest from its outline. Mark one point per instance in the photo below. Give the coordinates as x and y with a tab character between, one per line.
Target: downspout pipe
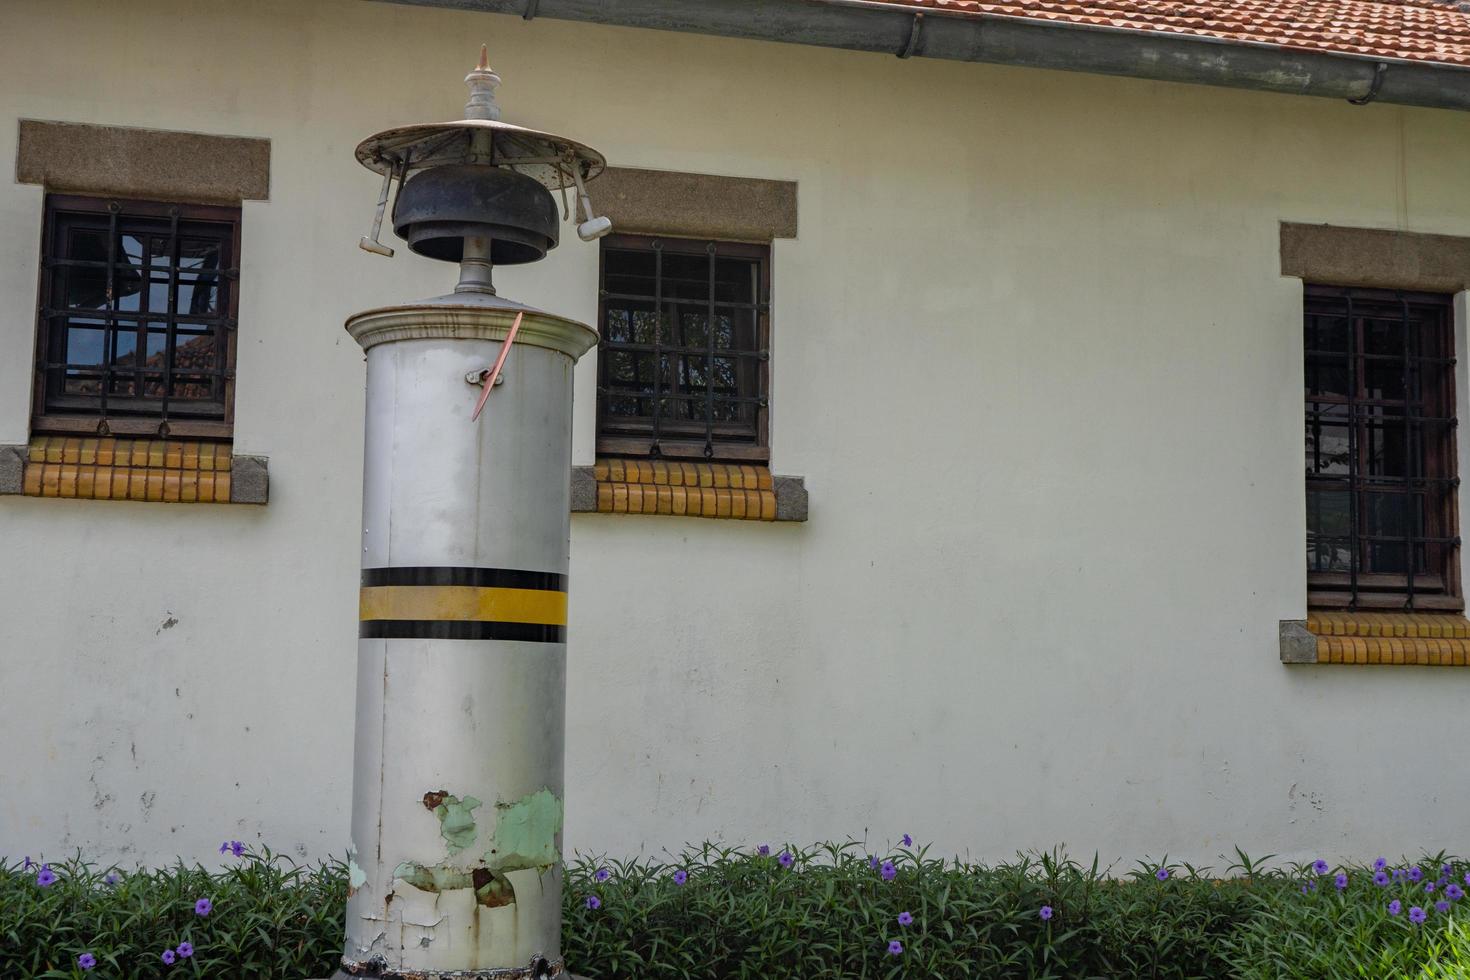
936	32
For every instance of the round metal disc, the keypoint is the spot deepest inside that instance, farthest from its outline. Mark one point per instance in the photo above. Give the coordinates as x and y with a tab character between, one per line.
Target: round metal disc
525	151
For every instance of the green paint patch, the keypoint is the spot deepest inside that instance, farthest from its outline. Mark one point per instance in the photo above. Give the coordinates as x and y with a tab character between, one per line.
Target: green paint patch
525	833
456	821
433	878
356	877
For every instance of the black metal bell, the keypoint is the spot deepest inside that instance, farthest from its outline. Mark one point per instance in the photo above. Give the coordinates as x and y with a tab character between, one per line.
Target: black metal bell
440	207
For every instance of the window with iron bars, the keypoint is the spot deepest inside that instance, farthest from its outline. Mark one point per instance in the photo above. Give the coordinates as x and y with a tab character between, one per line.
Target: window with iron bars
136	326
1380	450
683	366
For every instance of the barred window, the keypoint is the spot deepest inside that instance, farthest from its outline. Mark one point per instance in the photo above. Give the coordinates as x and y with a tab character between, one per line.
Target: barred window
137	313
1380	441
683	367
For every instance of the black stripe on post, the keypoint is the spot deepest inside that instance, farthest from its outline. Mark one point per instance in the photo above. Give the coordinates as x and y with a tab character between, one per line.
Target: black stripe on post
441	629
482	578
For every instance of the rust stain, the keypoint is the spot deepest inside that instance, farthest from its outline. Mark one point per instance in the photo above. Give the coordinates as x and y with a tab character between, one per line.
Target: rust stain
435	799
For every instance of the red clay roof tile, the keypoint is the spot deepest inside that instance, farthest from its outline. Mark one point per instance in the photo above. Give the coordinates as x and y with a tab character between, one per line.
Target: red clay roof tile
1435	31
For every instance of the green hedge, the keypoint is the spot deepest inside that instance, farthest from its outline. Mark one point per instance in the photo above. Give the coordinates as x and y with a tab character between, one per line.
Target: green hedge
831	911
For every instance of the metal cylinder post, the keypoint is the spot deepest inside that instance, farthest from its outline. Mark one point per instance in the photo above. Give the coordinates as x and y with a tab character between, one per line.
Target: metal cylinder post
455	867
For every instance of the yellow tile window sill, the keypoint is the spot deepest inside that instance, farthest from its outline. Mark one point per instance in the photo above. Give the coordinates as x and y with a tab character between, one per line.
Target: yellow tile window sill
730	491
1424	639
160	470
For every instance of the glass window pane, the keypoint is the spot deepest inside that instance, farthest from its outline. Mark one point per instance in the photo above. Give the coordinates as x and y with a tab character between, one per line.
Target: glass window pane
1329	547
1327	450
84	289
198	294
1385	447
82	383
693	326
85	345
1327	376
736	280
1383	380
1382	336
686	277
159	251
628	271
199	254
125	348
191	387
1327	332
195	353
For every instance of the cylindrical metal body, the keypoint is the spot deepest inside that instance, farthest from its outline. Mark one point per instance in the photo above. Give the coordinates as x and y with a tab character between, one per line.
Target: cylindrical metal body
457	786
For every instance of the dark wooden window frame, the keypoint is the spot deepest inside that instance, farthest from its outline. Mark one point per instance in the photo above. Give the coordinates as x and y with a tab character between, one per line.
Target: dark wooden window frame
51	413
1427	413
685	440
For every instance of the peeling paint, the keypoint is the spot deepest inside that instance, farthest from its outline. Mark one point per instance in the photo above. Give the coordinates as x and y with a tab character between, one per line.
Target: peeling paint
525	833
491	888
356	877
456	818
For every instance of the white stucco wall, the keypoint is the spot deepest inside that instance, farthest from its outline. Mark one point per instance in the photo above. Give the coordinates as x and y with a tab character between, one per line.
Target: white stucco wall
1033	356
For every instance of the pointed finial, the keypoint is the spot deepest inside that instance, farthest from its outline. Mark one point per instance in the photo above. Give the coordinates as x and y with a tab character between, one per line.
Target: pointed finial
482	82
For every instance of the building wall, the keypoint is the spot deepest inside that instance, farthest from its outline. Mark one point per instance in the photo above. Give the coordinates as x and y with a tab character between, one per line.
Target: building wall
1032	353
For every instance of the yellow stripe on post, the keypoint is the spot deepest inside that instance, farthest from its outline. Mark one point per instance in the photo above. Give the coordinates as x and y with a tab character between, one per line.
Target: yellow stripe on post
464	603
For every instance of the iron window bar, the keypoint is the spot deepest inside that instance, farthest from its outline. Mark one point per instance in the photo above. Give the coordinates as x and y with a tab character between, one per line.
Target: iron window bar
1424	497
674	383
153	394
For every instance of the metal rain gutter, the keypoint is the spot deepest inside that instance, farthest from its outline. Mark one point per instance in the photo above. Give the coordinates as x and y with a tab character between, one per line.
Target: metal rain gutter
862	25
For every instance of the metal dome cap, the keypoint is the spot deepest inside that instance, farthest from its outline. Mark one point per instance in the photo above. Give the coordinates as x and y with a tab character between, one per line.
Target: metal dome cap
481	138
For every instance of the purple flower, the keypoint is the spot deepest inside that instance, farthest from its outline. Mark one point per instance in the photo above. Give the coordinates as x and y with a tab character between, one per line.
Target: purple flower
224	848
1429	886
46	877
1341	880
1446	870
168	957
1380	878
1441	906
1455	892
889	872
895	948
1417	915
1398	873
1415	873
593	902
1395	907
905	919
1467	877
1380	864
873	863
681	876
602	875
764	850
203	907
112	878
1309	886
786	860
237	848
1320	866
908	841
1162	874
31	864
87	961
1045	913
186	949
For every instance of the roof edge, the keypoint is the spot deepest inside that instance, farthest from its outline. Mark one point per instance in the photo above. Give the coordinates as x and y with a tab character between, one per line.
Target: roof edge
862	25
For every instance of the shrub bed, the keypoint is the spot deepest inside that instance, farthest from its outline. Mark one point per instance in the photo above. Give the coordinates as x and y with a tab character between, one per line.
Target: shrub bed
780	912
